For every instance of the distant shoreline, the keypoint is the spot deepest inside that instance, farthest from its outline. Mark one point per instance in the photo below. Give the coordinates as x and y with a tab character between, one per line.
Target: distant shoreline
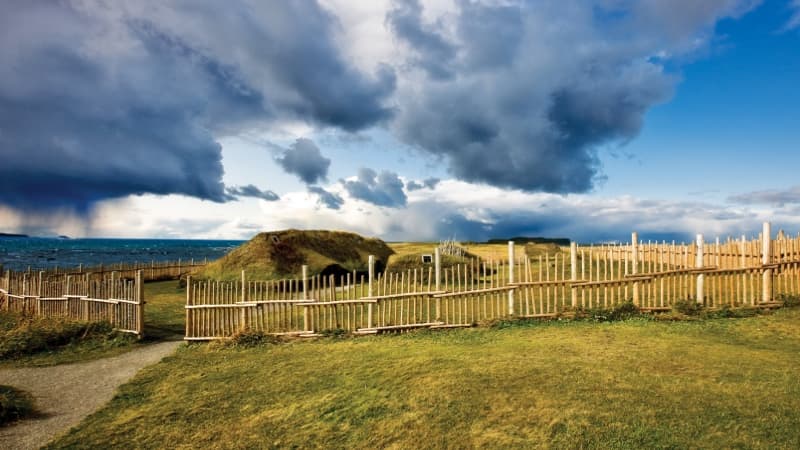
13	235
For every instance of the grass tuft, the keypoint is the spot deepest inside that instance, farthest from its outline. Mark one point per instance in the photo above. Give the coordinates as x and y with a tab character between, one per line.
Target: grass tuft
22	335
15	404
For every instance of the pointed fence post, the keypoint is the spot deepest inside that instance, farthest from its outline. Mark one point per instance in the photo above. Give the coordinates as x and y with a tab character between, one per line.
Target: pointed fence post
437	262
743	250
699	264
573	267
635	268
371	277
189	294
140	304
306	316
511	277
242	309
766	258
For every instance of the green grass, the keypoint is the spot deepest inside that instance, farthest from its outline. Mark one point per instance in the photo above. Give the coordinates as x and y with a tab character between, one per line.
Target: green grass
165	316
15	404
725	383
48	342
26	340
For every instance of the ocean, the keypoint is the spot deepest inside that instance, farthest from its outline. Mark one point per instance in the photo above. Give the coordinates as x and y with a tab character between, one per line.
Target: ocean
41	253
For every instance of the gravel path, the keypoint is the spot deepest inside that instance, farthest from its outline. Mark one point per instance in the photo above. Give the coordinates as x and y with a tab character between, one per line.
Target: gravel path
65	394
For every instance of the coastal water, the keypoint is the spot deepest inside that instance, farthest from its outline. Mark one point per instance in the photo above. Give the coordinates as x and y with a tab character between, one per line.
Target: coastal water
21	253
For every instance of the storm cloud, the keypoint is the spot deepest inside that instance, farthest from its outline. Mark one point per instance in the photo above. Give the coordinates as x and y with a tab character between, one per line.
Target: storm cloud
380	189
329	199
251	191
534	89
429	183
102	100
304	159
775	197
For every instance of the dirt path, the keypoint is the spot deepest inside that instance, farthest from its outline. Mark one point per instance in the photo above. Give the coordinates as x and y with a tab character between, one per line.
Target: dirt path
65	394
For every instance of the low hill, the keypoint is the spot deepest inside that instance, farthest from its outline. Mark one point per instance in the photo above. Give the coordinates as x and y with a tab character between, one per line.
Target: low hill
280	254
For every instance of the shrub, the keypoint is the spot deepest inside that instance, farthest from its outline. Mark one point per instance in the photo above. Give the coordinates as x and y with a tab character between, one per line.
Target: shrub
622	311
789	300
688	307
250	338
15	404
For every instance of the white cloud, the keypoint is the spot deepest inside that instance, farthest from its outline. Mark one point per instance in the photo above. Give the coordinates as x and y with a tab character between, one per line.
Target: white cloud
453	208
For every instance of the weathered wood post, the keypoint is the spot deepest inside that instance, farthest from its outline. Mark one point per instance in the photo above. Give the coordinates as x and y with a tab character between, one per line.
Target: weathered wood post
306	316
371	278
243	309
717	254
437	267
39	283
189	293
766	258
635	267
698	262
743	250
511	277
140	304
7	278
573	267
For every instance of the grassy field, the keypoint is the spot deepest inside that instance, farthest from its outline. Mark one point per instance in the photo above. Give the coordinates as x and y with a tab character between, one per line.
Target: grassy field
725	383
164	319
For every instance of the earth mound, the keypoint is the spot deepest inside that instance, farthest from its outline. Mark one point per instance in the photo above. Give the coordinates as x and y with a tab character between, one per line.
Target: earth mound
281	254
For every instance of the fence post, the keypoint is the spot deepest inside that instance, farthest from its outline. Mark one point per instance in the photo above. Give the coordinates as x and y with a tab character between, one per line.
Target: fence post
306	317
437	260
635	257
370	276
698	262
511	277
8	290
766	258
573	268
743	249
39	283
140	304
243	309
188	302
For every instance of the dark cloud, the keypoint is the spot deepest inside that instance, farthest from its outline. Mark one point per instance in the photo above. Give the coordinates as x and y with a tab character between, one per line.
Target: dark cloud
413	186
384	189
304	159
329	199
251	191
429	183
431	50
775	197
535	88
101	100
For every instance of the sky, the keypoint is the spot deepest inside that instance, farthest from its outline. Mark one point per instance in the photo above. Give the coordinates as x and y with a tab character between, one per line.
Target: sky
401	119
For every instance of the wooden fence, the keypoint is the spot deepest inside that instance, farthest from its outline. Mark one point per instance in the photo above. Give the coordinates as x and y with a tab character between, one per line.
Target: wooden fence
151	271
88	297
740	273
